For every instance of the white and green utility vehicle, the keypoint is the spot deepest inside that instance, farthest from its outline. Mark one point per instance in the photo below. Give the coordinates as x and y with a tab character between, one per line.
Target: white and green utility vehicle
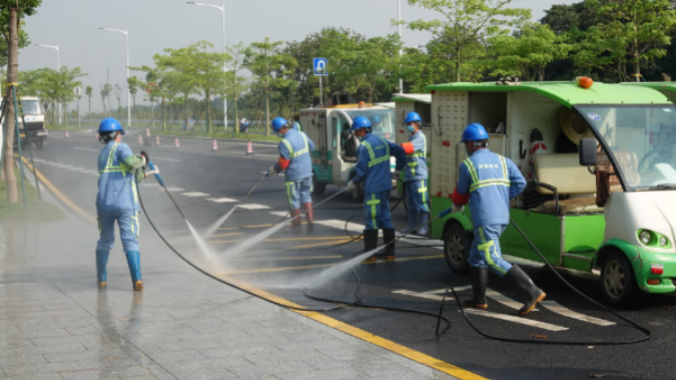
624	228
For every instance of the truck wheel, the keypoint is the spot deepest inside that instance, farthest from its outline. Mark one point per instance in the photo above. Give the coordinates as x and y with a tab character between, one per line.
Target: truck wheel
457	243
318	188
618	282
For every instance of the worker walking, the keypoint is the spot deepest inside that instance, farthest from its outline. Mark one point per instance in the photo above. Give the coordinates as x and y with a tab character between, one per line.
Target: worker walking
117	200
488	181
373	169
415	176
295	160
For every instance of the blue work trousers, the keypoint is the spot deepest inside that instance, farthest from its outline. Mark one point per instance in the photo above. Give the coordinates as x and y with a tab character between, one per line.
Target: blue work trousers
299	192
485	250
377	211
127	221
417	198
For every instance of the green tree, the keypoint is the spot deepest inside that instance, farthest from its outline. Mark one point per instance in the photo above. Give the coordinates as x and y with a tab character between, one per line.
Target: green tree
631	33
528	52
158	86
210	78
50	85
89	91
375	62
11	13
134	84
106	89
468	22
270	68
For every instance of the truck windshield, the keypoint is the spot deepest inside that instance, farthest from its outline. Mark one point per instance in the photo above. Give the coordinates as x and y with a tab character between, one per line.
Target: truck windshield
382	121
642	140
31	107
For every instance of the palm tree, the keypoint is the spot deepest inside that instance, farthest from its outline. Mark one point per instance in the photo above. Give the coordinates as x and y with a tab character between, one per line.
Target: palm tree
89	92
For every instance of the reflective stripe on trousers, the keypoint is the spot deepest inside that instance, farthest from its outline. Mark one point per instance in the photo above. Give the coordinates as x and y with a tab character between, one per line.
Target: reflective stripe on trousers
485	250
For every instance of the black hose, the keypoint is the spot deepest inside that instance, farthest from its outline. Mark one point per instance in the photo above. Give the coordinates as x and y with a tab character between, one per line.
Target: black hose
557	342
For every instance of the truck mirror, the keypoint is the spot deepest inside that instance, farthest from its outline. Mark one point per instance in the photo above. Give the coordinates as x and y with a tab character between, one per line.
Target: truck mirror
587	151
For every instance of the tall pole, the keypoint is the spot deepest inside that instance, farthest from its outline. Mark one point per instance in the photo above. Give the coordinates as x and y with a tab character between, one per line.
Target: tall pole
126	37
401	81
321	92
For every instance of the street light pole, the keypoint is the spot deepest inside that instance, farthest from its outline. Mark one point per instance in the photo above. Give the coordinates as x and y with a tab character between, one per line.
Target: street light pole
401	81
225	68
58	68
126	37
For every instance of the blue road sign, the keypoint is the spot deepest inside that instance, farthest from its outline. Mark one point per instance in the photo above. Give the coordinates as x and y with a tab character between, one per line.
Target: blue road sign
319	67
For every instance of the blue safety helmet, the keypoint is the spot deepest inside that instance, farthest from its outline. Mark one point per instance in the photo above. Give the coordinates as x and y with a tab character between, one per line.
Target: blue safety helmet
279	123
109	124
412	117
474	132
377	119
360	122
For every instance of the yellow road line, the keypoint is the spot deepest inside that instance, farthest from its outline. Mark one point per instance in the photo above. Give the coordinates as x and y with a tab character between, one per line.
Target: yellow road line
190	238
322	244
282	269
59	194
404	351
293	258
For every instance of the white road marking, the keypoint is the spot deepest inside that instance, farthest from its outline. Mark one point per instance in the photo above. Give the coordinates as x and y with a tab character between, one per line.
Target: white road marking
505	300
254	206
504	317
195	194
280	213
165	159
340	224
222	200
87	149
559	309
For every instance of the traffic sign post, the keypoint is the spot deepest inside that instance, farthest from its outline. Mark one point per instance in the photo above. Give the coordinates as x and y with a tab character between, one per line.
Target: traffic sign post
319	68
78	92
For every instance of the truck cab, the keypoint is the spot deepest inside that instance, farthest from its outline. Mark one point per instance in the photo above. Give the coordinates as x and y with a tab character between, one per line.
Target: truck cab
614	218
34	116
329	129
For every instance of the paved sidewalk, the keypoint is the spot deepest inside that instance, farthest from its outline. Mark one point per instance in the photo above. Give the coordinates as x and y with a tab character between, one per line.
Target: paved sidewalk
55	323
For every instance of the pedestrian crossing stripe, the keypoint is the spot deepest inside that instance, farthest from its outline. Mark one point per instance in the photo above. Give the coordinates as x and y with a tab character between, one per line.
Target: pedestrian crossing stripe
195	194
254	206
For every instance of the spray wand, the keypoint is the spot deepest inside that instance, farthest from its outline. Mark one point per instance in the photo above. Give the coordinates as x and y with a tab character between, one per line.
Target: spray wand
155	171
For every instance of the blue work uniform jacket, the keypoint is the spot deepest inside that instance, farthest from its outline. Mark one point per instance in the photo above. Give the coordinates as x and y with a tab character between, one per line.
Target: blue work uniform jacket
373	163
294	155
416	161
488	181
117	187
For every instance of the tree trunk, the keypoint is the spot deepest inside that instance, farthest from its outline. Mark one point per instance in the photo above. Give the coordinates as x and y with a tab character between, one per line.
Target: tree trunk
89	115
12	76
210	126
236	117
457	64
152	114
267	113
164	116
185	112
637	70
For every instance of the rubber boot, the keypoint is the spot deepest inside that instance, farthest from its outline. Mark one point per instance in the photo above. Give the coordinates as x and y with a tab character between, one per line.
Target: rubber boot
533	293
479	283
412	222
134	262
295	223
101	271
310	216
424	218
388	239
370	243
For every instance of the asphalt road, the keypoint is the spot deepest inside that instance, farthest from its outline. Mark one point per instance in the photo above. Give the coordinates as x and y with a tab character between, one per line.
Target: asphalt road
205	184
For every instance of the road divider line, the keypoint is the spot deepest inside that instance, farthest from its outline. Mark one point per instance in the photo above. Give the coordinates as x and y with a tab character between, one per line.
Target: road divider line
505	300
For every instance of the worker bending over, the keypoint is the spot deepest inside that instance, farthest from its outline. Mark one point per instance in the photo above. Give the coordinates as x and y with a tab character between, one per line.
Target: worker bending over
373	168
488	181
415	176
294	159
117	200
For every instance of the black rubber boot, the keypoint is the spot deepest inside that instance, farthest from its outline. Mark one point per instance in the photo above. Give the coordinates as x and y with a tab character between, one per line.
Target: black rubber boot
370	243
479	284
528	288
388	237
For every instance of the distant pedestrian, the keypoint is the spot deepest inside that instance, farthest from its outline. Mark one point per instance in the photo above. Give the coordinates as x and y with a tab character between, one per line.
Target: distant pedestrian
244	125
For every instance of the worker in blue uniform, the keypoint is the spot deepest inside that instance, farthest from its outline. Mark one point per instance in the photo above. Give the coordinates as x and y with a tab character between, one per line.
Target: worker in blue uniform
373	169
488	181
117	200
415	176
377	125
295	160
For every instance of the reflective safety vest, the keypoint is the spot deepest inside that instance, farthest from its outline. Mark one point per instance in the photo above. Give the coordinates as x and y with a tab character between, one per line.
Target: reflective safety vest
373	160
296	147
373	163
416	162
117	187
477	184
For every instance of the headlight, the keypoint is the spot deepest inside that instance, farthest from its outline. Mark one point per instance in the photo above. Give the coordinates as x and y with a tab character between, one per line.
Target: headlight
663	241
645	237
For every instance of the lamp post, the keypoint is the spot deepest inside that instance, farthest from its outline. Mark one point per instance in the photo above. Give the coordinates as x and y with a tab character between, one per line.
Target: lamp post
401	81
225	101
126	37
58	68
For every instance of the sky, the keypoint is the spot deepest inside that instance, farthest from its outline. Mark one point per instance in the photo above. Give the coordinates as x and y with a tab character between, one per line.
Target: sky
154	25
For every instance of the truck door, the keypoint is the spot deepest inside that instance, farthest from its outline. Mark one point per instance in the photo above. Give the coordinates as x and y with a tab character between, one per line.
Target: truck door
341	168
